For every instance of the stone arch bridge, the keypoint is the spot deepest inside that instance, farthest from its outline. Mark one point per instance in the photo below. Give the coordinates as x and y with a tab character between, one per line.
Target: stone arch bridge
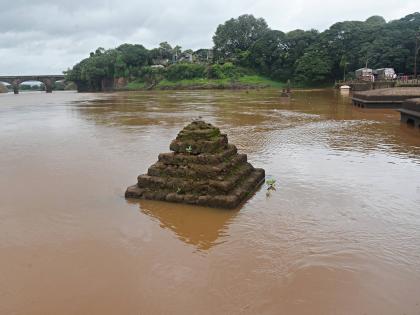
48	80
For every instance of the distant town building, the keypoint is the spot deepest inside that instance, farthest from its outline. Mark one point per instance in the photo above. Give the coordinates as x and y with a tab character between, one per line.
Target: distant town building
385	74
203	55
188	56
364	74
185	57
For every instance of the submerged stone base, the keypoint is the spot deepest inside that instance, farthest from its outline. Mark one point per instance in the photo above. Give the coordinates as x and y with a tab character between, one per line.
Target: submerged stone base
410	112
230	200
203	170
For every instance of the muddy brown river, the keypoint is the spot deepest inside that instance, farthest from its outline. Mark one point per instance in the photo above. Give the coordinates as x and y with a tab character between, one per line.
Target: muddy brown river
340	235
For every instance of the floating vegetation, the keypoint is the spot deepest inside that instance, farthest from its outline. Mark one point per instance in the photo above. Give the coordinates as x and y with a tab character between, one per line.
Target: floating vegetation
271	186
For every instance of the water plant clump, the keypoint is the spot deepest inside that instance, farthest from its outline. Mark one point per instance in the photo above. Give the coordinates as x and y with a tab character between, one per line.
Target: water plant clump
271	184
202	169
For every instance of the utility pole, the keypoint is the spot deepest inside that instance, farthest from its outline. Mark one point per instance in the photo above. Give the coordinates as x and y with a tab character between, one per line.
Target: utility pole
416	52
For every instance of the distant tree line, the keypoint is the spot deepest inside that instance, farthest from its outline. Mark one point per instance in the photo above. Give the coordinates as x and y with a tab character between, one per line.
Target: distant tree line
247	44
32	87
59	85
24	87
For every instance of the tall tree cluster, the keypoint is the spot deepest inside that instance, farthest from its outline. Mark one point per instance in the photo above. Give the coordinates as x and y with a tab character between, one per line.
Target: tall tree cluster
313	57
308	57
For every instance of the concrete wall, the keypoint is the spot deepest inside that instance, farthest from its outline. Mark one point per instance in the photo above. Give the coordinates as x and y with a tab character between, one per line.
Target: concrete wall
410	120
366	86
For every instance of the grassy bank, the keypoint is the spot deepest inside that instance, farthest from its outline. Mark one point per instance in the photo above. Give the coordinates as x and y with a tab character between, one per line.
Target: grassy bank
243	82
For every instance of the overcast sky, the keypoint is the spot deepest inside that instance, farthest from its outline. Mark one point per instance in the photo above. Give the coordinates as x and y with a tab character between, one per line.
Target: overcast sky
47	37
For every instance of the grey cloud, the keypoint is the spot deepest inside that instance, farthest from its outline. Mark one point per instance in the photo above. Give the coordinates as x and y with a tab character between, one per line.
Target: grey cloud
50	36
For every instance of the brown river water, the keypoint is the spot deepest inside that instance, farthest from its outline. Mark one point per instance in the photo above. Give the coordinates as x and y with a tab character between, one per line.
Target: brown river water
340	235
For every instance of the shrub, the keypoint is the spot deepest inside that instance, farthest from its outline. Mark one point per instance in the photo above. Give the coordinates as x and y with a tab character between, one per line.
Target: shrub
152	75
227	70
185	71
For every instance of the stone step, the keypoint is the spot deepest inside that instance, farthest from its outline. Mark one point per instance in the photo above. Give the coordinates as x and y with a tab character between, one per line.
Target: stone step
188	185
231	200
172	158
196	171
200	134
195	147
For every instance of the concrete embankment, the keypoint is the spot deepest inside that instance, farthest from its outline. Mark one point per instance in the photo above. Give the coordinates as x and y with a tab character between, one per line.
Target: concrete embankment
410	112
385	98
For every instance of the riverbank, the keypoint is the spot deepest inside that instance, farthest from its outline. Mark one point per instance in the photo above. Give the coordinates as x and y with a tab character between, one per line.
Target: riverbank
244	82
385	98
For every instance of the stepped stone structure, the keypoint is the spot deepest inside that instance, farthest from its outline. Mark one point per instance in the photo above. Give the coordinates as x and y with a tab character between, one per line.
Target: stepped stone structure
203	169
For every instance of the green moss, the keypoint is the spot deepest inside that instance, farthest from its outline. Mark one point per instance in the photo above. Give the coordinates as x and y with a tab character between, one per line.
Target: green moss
215	134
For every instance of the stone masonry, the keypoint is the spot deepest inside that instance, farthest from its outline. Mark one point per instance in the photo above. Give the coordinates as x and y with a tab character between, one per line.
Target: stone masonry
203	169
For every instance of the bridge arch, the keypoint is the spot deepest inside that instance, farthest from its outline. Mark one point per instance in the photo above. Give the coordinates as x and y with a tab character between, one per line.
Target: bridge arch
47	80
29	84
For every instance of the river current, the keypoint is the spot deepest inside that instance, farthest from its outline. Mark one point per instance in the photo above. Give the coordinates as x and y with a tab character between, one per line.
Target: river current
340	235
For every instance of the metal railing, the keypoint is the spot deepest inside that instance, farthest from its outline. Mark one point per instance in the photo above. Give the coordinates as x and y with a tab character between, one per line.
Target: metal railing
408	80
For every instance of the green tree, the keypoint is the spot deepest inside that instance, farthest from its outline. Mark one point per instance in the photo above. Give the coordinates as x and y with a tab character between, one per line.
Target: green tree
346	38
343	65
152	76
393	44
376	20
120	67
134	55
314	66
247	42
236	36
267	54
176	52
296	43
165	51
90	72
